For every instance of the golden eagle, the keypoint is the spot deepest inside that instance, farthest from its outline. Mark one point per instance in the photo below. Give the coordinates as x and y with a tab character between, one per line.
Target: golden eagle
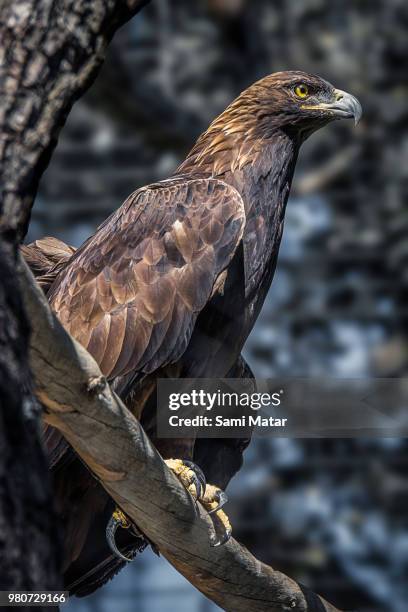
170	285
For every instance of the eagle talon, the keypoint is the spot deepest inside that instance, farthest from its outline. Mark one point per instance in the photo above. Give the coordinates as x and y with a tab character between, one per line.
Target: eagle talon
199	478
190	475
223	540
118	519
211	497
213	501
222	499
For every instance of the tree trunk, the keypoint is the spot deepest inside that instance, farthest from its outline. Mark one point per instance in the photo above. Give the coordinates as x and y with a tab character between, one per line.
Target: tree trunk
50	52
29	546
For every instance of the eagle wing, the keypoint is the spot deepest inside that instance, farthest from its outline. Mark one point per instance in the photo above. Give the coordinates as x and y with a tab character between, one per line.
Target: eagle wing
131	294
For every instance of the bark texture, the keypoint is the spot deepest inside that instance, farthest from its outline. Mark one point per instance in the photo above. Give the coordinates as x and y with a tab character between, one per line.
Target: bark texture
49	54
50	50
29	547
80	404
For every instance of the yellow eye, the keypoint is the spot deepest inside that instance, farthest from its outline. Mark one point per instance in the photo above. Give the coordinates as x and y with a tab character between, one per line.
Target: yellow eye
301	91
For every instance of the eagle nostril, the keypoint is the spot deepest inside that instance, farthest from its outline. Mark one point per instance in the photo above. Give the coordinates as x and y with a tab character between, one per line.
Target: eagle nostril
339	96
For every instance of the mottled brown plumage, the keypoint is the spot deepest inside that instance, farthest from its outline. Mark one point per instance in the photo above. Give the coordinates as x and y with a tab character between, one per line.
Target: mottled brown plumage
46	258
132	293
172	283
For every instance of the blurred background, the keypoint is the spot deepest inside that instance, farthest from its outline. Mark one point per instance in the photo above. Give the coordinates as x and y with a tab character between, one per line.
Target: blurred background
330	513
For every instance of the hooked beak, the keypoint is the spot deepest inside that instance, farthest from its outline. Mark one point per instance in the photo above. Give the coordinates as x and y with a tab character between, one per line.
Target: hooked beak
345	106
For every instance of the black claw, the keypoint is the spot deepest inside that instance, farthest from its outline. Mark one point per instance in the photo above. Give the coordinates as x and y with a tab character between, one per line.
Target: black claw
198	487
199	481
223	540
111	529
222	499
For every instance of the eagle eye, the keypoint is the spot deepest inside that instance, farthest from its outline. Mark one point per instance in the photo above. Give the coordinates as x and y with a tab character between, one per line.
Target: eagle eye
302	90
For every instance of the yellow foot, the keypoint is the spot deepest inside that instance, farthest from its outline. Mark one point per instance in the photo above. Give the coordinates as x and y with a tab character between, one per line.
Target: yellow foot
190	476
212	498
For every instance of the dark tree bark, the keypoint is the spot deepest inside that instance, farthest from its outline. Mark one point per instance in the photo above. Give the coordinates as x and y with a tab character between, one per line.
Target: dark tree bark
50	51
29	550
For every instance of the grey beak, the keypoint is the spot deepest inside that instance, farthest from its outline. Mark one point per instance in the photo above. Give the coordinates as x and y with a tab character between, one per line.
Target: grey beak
345	106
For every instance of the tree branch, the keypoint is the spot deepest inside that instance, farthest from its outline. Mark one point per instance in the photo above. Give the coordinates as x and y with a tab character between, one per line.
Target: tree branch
79	402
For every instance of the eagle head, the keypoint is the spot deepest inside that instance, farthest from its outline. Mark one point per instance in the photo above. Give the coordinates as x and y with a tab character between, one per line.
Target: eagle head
301	103
292	103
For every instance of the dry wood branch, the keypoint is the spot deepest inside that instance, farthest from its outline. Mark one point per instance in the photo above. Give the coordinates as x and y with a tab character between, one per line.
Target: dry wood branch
79	402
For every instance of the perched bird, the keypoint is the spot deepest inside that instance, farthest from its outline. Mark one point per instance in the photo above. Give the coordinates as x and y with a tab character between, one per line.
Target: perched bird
170	286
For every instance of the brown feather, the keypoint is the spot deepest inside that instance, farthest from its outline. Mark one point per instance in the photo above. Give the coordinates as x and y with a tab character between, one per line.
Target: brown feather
161	273
115	341
46	258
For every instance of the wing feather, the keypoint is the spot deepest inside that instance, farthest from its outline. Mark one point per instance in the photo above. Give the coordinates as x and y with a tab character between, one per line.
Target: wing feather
116	337
132	293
